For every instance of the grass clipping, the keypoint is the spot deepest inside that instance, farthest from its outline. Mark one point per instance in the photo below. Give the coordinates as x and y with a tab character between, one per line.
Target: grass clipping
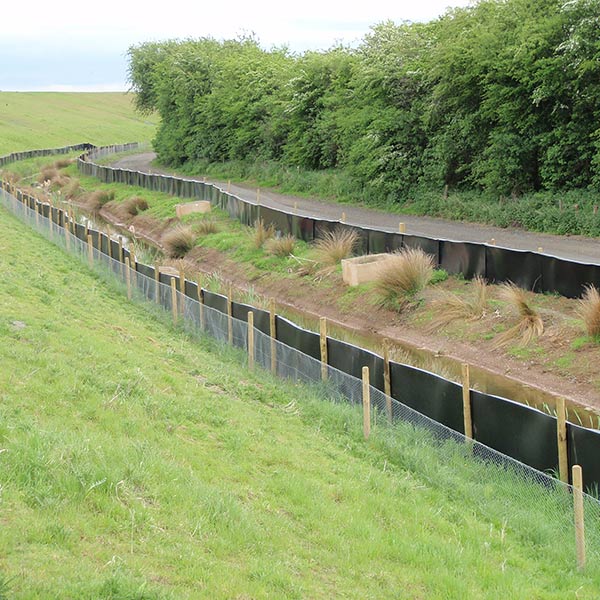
530	325
404	274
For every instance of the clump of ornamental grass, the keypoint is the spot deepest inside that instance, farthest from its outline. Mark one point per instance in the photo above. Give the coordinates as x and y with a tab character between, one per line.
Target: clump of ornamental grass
134	206
62	163
336	245
71	189
452	307
48	173
178	241
588	309
206	226
94	201
530	324
262	232
281	246
401	276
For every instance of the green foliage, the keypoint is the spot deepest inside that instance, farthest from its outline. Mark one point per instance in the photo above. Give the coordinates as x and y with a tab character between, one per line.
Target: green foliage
502	96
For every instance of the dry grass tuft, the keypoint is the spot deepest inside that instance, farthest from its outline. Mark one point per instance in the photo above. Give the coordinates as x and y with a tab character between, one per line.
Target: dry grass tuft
403	275
452	307
48	173
262	233
134	206
178	241
71	188
530	325
62	163
281	246
588	309
206	226
336	245
94	201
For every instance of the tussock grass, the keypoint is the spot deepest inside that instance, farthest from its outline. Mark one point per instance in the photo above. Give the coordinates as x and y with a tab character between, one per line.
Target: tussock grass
588	309
404	274
72	188
206	226
134	206
262	233
48	173
281	246
335	246
452	307
94	201
530	324
62	163
178	241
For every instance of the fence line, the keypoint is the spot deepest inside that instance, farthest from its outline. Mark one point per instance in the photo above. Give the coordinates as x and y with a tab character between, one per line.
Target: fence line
489	481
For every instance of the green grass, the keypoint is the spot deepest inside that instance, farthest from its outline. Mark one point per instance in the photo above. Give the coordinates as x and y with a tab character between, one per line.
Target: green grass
137	463
31	120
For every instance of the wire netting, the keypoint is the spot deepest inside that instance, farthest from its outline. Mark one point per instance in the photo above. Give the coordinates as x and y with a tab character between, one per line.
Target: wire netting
513	496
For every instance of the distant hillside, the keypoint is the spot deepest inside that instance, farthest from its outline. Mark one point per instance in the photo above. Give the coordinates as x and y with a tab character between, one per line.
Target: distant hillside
50	119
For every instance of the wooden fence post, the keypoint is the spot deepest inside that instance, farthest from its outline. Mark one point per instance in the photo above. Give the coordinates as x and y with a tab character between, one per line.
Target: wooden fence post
561	438
466	393
387	382
174	300
201	301
251	340
182	289
66	227
90	251
230	315
401	227
323	342
366	398
156	282
273	334
579	517
128	277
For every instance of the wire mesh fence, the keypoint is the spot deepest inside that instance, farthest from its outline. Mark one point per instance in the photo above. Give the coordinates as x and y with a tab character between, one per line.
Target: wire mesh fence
511	495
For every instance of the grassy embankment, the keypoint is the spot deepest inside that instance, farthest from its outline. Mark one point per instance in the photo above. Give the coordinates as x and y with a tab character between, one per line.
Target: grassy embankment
137	463
30	120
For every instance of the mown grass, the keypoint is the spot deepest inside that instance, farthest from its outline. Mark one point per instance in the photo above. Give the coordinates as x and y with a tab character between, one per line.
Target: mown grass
30	120
139	463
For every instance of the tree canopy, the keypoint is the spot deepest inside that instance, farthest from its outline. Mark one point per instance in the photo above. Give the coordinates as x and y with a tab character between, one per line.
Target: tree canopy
502	96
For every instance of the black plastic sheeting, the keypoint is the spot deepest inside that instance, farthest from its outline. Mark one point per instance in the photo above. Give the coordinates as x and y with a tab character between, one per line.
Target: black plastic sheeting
429	394
528	270
261	317
518	431
351	359
303	340
584	450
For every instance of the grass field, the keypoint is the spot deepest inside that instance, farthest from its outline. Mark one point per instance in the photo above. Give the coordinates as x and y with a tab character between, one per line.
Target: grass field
30	120
137	463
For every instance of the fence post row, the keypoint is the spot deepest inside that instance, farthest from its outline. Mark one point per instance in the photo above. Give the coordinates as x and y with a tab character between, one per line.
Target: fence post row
577	477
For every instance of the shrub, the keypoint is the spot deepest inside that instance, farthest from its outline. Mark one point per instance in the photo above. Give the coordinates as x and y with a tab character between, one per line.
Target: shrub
178	241
589	310
403	275
262	233
336	245
281	246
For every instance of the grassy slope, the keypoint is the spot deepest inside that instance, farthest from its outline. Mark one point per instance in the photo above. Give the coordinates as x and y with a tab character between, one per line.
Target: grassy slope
137	464
30	120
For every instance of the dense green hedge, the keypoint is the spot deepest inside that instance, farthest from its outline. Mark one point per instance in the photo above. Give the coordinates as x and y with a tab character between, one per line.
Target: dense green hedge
503	96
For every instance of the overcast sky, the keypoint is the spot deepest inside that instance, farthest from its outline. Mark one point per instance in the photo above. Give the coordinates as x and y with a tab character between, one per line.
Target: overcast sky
80	46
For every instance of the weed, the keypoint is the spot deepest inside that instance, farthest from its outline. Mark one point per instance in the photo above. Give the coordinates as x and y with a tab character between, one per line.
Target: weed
178	241
439	276
402	276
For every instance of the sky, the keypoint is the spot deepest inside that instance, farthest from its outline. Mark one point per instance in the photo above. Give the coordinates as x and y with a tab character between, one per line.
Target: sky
82	46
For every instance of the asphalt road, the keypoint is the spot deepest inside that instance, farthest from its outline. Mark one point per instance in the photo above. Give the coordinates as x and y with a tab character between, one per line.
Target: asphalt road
577	248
